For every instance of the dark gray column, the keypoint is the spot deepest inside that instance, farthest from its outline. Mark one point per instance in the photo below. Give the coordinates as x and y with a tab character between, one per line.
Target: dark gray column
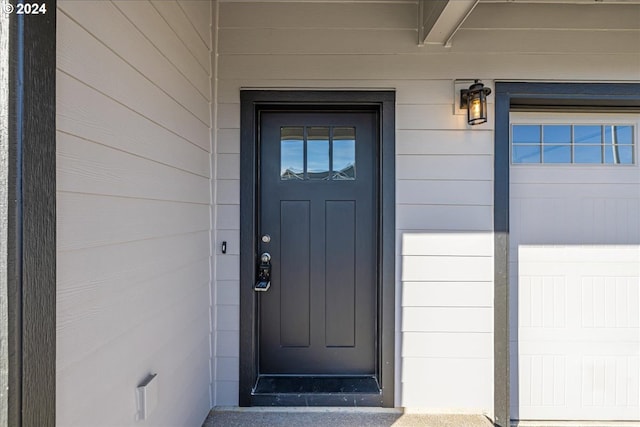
4	177
28	216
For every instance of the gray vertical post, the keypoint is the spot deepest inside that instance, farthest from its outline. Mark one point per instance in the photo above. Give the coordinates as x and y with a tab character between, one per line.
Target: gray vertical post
37	225
4	194
501	260
27	216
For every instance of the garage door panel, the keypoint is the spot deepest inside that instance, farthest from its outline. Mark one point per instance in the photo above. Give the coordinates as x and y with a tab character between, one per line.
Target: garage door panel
589	219
594	412
611	220
557	190
609	381
553	344
575	174
610	302
578	387
585	255
543	302
574	260
577	329
548	383
590	273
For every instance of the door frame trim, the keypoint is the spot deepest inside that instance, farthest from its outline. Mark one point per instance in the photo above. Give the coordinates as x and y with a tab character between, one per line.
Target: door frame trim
254	101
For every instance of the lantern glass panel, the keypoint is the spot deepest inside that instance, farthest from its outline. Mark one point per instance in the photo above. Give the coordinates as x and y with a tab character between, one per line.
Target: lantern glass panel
476	114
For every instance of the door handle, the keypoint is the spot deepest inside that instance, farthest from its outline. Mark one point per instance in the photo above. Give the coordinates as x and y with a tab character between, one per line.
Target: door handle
264	273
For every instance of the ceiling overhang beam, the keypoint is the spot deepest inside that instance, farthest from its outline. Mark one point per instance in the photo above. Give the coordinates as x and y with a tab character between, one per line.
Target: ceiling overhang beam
441	19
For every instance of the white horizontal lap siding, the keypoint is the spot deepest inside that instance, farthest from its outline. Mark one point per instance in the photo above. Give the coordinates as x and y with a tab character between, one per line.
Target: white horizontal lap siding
444	218
444	169
134	210
444	178
432	66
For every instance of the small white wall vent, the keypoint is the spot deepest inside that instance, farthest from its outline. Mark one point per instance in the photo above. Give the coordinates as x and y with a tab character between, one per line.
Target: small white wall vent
147	397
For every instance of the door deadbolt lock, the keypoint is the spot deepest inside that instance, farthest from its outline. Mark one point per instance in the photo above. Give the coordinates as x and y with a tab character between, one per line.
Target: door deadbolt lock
264	273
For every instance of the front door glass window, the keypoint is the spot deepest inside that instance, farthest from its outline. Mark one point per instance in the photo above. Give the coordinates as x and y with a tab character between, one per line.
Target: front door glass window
344	153
292	153
316	153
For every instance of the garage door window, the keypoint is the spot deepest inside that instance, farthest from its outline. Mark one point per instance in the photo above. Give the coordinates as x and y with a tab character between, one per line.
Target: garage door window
559	143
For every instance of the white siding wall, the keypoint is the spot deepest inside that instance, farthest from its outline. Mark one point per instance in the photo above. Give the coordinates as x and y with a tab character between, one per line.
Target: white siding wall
444	168
134	210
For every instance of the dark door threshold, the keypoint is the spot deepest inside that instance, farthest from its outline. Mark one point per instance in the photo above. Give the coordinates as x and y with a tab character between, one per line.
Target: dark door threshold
272	390
304	384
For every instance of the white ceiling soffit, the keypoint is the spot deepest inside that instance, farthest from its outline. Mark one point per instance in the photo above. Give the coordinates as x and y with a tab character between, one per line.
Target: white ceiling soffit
440	19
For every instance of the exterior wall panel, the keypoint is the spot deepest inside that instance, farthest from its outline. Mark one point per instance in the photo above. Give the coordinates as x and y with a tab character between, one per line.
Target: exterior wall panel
426	122
134	210
444	168
148	178
439	66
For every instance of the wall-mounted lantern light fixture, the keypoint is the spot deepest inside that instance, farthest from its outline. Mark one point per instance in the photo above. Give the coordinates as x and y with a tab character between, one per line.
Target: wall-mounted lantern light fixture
474	100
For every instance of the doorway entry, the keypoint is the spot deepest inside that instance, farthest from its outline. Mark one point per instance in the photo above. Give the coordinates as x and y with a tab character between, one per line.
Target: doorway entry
316	281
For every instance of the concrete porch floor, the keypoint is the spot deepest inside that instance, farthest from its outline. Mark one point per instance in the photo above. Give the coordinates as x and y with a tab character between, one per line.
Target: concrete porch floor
336	417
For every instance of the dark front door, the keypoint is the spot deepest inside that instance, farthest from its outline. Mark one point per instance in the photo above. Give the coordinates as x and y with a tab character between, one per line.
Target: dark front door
318	221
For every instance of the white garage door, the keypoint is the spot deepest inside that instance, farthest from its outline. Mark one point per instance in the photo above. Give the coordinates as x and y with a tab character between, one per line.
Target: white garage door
575	267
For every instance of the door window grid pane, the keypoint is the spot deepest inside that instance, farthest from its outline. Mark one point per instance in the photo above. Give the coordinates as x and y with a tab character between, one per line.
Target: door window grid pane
528	153
619	154
343	154
526	134
292	156
572	144
317	153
